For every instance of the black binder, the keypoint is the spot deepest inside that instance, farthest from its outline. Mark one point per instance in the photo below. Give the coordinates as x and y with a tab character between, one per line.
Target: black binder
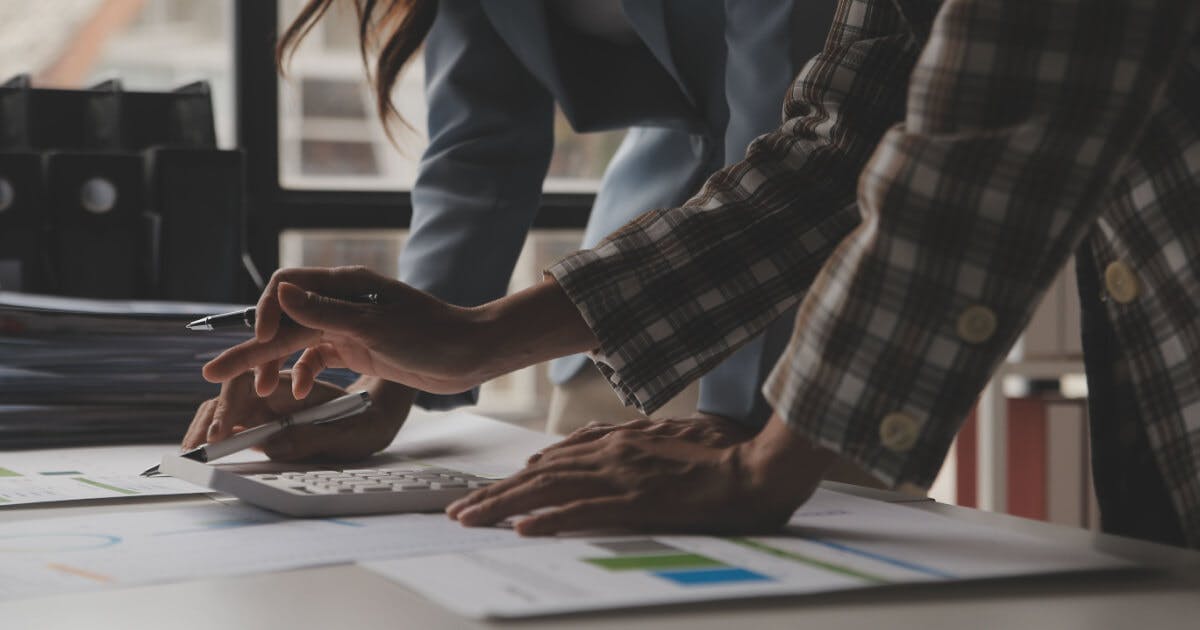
34	119
196	196
24	260
133	121
99	234
104	117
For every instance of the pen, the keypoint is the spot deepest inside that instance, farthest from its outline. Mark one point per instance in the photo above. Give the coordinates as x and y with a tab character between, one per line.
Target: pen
245	317
336	409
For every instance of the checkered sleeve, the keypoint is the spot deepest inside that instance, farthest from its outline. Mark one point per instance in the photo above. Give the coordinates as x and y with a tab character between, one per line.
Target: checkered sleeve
1019	117
675	291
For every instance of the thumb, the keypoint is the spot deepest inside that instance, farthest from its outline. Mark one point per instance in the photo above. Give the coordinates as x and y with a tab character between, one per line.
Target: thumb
318	311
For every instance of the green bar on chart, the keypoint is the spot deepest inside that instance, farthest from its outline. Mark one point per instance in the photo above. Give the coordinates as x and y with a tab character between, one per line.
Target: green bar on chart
654	563
813	562
104	486
4	472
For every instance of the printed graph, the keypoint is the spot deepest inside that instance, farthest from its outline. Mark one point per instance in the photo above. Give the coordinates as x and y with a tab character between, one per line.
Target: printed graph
670	563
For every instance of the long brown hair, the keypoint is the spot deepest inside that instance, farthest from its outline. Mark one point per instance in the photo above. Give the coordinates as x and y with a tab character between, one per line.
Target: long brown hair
400	24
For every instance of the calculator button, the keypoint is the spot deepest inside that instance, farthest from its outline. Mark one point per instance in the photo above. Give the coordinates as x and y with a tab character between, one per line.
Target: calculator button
374	488
444	485
410	486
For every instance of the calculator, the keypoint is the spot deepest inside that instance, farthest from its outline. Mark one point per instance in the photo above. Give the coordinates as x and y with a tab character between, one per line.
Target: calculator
323	491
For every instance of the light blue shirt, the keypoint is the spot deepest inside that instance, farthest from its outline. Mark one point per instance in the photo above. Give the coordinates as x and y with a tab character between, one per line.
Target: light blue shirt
707	77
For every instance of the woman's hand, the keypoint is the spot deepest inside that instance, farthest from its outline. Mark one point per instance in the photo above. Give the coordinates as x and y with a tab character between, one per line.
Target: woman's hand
641	481
238	408
409	337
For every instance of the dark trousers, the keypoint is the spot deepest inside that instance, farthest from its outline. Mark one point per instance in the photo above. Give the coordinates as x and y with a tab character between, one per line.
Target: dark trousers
1130	489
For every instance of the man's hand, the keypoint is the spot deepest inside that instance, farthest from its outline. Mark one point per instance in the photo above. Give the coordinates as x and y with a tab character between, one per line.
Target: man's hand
703	429
410	337
238	407
638	480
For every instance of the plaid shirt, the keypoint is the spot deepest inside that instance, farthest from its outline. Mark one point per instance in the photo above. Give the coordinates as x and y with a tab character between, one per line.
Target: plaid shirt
937	165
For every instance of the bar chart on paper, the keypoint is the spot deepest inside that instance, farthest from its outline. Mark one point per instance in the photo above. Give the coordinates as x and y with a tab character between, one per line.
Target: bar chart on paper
836	542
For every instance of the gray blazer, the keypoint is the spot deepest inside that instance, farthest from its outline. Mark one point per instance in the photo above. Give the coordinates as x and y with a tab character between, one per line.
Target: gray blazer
710	77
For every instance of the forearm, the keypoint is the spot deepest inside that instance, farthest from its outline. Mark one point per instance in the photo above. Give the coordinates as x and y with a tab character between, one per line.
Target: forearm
969	209
528	327
676	291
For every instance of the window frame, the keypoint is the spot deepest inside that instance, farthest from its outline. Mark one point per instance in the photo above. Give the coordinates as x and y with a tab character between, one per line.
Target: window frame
271	208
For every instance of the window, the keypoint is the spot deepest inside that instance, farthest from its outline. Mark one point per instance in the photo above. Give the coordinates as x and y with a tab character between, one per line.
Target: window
146	44
330	135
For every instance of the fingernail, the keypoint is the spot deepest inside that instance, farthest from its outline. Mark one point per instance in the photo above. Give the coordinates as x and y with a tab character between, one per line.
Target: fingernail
526	527
468	513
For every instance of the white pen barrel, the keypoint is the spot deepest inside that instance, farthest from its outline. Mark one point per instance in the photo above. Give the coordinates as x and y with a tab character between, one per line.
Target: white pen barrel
241	441
334	409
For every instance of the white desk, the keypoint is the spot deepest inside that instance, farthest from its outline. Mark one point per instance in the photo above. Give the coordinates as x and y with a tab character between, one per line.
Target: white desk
347	597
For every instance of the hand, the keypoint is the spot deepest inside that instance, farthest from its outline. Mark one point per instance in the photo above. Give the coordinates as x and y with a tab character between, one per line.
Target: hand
703	429
641	481
350	439
410	338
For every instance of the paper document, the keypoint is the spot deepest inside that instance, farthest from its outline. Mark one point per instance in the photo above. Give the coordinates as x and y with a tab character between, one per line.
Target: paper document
835	542
72	474
460	440
59	555
77	371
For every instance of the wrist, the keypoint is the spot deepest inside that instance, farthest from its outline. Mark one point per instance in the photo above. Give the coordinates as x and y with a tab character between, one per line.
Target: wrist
533	325
784	464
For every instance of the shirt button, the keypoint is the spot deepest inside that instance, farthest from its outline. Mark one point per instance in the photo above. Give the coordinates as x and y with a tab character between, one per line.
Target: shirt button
976	324
898	432
1122	284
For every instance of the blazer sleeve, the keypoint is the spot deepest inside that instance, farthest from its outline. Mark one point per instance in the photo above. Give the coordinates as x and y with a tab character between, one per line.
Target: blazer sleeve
480	180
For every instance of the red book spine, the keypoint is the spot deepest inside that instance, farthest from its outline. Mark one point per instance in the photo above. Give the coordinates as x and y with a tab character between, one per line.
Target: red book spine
1027	457
965	469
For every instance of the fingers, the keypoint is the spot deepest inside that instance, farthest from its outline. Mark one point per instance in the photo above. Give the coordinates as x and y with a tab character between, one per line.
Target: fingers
237	405
321	312
266	377
597	513
198	429
544	490
336	282
590	433
252	353
308	367
527	475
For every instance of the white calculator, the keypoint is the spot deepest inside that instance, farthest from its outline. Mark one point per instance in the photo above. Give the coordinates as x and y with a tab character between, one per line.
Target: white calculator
312	491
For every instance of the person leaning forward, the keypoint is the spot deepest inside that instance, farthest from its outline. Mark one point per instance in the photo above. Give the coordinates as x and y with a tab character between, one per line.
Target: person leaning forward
1024	132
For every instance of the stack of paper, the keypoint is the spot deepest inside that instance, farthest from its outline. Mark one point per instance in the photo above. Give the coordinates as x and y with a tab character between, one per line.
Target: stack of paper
76	371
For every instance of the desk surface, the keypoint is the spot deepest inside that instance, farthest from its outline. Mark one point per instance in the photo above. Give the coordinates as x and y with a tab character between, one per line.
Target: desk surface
347	596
